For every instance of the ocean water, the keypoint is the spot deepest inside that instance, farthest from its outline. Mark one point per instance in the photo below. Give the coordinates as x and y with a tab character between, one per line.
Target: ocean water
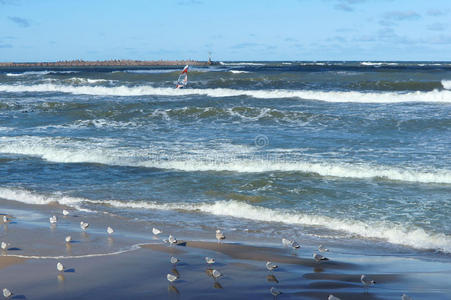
353	154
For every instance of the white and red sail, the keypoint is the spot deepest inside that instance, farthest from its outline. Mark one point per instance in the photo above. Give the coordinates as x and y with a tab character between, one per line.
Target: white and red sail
183	78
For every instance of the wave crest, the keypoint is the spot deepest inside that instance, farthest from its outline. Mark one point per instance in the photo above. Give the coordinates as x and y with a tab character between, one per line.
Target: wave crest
329	96
401	234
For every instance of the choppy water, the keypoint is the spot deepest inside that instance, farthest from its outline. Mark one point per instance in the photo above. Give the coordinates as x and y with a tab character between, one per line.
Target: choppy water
353	151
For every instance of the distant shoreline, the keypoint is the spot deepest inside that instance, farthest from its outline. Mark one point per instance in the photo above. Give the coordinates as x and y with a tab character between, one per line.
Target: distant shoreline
108	63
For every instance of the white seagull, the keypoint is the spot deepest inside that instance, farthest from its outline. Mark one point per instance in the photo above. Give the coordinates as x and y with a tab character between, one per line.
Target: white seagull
171	278
332	297
5	219
53	220
65	212
84	225
209	260
5	246
172	239
68	239
7	293
293	244
321	248
270	266
109	230
174	260
318	257
156	231
60	267
366	281
216	274
219	235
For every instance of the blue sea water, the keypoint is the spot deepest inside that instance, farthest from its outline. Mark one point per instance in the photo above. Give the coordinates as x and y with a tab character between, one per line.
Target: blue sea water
350	153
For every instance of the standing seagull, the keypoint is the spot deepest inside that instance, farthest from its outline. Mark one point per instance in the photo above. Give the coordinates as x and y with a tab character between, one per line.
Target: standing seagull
84	225
5	246
7	293
172	240
156	231
318	257
109	230
53	220
366	281
270	266
219	235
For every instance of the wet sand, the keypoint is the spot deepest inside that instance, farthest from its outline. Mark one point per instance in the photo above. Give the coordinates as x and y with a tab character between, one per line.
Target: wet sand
99	266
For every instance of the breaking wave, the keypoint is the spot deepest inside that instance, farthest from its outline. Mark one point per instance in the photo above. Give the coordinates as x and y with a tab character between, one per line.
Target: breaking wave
401	234
329	96
203	160
446	84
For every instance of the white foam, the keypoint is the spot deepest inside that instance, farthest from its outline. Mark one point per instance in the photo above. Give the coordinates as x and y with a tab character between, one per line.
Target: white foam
39	73
378	64
408	235
80	80
196	157
446	84
241	64
238	72
329	96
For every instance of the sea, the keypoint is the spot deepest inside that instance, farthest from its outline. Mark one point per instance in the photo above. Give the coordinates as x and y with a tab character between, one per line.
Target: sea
352	155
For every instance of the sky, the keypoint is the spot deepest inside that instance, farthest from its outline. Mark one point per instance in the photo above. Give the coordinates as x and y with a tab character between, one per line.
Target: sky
245	30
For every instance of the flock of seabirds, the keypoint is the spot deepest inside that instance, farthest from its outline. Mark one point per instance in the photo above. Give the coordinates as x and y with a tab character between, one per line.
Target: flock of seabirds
270	266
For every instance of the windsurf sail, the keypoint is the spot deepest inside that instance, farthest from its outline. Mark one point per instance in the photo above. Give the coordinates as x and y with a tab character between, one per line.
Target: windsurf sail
183	78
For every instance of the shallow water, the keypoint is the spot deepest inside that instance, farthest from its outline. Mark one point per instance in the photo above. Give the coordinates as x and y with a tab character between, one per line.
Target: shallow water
353	153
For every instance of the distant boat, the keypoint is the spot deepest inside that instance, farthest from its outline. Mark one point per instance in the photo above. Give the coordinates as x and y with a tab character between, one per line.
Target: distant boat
183	78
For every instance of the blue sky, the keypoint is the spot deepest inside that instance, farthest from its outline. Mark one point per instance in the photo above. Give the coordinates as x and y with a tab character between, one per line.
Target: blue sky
50	30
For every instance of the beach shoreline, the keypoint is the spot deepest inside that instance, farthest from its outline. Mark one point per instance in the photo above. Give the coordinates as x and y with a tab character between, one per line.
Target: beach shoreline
120	265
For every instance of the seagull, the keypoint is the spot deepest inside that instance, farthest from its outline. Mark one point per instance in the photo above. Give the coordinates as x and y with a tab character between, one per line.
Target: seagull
68	239
366	281
270	266
275	292
332	297
209	260
172	239
109	230
216	274
292	244
65	212
5	246
84	225
171	278
174	260
7	293
60	267
53	220
5	219
321	248
319	257
219	235
156	231
405	297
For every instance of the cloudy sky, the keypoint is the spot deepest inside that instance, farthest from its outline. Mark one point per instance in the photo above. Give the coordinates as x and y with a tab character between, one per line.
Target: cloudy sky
49	30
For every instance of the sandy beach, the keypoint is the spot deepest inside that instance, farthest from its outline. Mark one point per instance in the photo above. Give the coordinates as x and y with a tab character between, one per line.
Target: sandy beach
123	266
